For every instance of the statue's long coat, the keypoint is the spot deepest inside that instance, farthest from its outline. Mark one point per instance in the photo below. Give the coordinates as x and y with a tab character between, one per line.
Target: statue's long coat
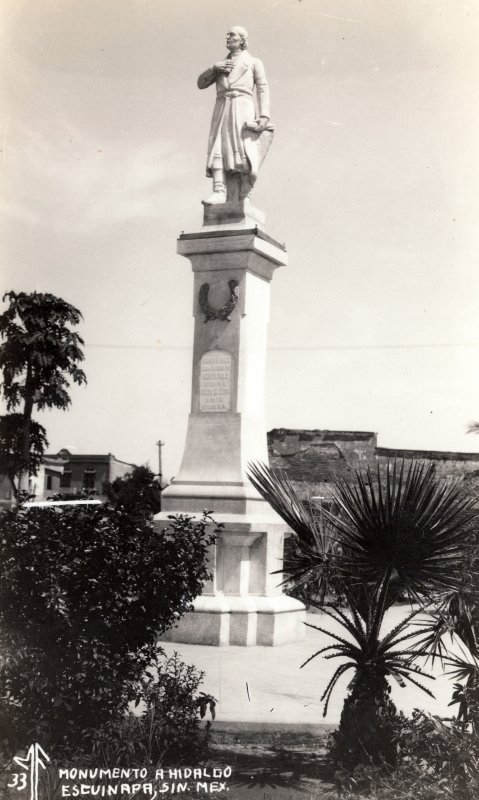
234	107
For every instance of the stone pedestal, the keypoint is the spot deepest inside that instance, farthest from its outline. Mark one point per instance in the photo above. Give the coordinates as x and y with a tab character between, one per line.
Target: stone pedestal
233	264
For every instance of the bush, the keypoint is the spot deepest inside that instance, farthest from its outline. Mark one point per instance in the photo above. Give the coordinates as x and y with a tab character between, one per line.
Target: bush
138	492
434	762
84	595
167	731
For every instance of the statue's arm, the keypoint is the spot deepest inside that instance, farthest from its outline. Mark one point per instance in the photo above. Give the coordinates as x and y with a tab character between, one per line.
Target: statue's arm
262	89
207	78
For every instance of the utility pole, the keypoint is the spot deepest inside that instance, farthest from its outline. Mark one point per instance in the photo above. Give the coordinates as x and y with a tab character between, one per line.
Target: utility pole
160	466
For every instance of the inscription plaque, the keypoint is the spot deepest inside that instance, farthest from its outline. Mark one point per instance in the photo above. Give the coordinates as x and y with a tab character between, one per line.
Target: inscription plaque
215	381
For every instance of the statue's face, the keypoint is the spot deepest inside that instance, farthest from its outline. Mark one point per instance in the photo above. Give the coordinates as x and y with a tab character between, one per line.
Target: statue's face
233	40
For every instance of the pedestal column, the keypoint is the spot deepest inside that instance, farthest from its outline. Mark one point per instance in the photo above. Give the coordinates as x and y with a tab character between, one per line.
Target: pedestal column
233	263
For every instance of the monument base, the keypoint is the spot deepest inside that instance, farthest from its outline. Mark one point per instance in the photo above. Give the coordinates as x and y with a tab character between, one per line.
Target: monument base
232	214
243	604
243	621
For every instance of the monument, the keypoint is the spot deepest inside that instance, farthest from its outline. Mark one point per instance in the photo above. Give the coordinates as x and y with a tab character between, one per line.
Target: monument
233	262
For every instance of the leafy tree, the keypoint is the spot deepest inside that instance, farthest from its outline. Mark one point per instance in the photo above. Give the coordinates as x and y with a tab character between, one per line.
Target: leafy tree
39	354
12	462
85	594
401	532
138	492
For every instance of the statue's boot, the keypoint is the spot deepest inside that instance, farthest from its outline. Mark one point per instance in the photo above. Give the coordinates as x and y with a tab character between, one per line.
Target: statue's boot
219	188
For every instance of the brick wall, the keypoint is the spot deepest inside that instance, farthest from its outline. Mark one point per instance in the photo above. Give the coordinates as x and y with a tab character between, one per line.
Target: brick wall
312	458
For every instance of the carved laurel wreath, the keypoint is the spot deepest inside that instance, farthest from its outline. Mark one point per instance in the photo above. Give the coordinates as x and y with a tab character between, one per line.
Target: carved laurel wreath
225	311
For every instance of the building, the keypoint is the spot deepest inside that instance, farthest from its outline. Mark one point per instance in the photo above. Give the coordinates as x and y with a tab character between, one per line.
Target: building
313	458
48	479
69	474
46	482
89	472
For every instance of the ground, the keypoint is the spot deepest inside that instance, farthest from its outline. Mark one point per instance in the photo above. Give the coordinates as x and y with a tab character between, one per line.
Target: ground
274	766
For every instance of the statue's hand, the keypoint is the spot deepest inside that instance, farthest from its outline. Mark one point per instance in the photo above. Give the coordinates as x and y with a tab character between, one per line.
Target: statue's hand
261	123
223	66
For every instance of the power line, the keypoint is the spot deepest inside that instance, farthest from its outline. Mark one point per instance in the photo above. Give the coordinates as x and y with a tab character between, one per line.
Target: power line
292	348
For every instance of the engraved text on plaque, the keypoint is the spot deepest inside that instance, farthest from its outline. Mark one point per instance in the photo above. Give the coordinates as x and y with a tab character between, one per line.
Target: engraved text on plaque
215	381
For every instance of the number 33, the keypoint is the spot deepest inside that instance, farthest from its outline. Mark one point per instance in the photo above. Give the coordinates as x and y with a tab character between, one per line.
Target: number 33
19	781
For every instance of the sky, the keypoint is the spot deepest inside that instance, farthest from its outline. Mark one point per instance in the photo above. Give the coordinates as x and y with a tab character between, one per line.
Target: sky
371	182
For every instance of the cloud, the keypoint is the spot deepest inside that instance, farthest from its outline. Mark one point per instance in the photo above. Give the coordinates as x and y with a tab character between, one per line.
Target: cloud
62	179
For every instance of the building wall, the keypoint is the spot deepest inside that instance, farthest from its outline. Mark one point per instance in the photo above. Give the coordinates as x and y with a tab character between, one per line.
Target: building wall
6	492
119	468
46	482
312	458
74	474
449	466
90	472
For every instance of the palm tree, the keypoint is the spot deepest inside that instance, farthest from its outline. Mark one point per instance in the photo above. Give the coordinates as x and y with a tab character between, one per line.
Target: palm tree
399	532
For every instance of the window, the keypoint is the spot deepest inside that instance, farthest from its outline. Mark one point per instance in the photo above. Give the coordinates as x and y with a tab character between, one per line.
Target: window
66	479
49	481
89	479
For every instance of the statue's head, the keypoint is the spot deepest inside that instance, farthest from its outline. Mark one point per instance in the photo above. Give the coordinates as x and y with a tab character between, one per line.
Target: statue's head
237	38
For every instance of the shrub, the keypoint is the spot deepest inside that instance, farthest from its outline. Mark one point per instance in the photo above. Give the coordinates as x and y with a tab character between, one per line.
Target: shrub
434	762
167	731
84	595
138	492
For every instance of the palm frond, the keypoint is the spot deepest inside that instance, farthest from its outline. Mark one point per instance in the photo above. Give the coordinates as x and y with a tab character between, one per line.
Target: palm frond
328	633
315	561
406	521
276	487
326	696
466	668
407	676
391	636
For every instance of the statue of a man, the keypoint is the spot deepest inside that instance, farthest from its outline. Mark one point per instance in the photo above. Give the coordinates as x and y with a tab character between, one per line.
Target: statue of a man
239	137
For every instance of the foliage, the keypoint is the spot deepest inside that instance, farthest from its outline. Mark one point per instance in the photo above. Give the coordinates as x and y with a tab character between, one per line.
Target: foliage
84	595
12	459
138	492
367	724
434	762
407	527
39	354
456	616
39	350
365	652
167	730
399	532
401	525
466	694
312	563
